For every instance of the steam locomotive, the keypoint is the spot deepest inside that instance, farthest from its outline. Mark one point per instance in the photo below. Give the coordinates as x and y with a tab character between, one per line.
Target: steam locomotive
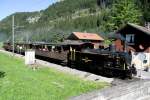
81	55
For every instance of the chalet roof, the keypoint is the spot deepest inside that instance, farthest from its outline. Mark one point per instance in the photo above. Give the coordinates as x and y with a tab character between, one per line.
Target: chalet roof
87	36
115	36
137	27
74	42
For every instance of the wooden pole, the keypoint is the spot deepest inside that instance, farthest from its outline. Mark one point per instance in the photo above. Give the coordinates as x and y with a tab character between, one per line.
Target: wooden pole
13	32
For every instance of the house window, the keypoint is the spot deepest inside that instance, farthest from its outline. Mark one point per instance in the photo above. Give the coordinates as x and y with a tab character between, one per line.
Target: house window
130	38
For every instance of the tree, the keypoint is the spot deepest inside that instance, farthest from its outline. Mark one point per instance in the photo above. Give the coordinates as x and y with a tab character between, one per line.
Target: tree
123	12
145	6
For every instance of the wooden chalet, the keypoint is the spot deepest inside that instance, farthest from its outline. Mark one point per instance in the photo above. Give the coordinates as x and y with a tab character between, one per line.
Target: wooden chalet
133	37
86	37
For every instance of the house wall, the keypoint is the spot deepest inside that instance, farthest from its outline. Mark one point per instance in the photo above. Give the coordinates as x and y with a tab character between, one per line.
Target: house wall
118	45
147	50
138	38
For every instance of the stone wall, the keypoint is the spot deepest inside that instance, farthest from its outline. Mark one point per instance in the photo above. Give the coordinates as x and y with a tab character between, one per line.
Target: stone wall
133	91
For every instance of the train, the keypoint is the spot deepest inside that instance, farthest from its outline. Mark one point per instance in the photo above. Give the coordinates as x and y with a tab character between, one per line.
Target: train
81	55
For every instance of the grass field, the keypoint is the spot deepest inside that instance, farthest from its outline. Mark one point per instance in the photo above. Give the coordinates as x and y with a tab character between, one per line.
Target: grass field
19	82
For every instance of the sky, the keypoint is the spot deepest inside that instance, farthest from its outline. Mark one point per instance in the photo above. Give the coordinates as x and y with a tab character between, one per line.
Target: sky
8	7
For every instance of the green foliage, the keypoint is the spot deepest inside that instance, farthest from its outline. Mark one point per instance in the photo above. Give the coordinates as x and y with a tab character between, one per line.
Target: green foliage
145	7
98	16
20	82
67	7
123	12
107	42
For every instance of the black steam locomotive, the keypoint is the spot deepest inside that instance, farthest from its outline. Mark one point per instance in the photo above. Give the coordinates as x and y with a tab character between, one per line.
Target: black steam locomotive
81	55
105	62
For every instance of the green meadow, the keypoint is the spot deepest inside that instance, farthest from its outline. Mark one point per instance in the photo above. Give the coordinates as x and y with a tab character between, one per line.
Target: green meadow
21	82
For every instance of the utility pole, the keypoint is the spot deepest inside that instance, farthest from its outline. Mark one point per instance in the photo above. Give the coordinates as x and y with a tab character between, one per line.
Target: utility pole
27	38
13	32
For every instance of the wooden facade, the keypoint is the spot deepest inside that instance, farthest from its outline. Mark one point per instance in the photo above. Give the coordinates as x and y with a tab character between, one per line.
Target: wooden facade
133	37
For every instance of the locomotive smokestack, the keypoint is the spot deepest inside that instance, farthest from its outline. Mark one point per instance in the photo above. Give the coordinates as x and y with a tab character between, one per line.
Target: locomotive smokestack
112	48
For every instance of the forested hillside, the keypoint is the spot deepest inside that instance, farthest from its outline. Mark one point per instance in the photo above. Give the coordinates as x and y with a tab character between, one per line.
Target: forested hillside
61	18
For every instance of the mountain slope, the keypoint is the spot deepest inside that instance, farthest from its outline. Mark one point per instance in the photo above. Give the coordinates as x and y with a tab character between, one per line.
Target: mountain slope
66	16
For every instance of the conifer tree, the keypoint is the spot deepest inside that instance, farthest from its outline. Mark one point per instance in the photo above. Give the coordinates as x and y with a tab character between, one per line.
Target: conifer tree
123	12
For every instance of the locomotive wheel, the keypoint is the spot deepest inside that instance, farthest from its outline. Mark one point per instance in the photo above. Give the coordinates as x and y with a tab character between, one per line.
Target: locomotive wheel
129	74
108	72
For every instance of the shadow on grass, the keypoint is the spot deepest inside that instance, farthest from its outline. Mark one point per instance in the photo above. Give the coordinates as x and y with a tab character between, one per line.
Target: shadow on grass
2	74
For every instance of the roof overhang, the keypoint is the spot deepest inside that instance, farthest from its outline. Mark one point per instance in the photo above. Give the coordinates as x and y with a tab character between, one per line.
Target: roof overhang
134	27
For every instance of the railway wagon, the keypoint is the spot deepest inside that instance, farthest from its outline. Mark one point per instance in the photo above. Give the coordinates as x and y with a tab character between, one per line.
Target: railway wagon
55	51
7	46
18	47
58	51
